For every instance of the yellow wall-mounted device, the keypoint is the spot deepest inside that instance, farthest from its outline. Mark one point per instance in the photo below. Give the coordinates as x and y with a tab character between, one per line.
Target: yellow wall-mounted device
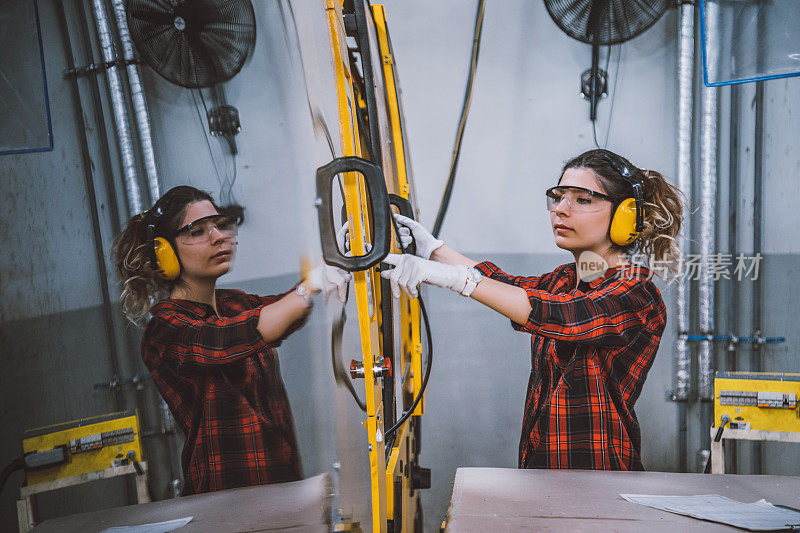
91	444
765	401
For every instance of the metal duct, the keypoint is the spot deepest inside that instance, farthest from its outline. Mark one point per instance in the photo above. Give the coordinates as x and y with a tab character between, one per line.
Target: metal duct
708	192
120	113
685	109
139	102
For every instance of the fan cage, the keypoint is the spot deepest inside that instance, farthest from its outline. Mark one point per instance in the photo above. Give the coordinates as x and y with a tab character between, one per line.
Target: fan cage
193	43
620	20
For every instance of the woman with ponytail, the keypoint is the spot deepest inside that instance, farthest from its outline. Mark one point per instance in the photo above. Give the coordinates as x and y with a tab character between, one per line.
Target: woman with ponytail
595	323
211	352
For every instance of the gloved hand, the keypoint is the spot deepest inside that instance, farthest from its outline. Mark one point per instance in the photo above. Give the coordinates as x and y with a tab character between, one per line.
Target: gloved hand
426	243
326	279
410	271
343	240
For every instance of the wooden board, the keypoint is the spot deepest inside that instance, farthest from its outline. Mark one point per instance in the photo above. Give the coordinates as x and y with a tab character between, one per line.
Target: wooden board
286	507
498	499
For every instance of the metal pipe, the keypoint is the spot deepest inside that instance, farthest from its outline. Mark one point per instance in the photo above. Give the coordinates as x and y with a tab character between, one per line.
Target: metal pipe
758	191
758	155
100	123
708	189
685	109
139	102
733	237
709	104
122	127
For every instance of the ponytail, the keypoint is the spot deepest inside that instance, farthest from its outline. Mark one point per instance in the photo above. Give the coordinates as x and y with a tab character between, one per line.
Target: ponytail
663	216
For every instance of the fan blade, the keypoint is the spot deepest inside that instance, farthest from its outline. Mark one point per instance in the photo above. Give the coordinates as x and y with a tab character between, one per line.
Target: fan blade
157	32
204	70
153	17
238	27
597	15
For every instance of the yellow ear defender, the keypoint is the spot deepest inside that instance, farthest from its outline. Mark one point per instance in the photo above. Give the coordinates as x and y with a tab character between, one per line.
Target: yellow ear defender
163	258
623	223
167	265
628	219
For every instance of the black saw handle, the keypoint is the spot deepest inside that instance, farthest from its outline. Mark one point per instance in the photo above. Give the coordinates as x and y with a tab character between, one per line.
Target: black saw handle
379	205
404	206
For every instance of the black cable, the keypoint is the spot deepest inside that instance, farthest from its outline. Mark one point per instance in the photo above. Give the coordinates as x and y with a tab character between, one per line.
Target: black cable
13	466
428	366
203	126
476	45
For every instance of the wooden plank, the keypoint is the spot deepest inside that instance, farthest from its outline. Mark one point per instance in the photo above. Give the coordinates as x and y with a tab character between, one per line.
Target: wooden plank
79	479
755	434
25	515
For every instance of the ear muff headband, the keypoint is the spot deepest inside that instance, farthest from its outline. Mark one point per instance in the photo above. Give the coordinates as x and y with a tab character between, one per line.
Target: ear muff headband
628	219
163	258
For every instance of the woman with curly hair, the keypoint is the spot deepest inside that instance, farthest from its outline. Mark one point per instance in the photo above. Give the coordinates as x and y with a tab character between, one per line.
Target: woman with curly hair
595	323
211	352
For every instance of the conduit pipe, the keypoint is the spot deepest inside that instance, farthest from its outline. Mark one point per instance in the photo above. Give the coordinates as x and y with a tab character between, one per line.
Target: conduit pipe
733	237
684	178
121	125
758	190
139	102
707	214
759	100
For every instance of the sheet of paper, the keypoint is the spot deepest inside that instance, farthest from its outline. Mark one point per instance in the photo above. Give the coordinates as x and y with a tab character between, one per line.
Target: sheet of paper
160	527
756	516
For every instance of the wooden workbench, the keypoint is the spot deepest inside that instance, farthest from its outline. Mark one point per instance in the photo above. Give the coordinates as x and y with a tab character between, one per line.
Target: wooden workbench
499	499
287	507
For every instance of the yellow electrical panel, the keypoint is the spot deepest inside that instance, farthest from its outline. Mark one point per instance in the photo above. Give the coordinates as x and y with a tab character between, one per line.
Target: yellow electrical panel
91	445
764	401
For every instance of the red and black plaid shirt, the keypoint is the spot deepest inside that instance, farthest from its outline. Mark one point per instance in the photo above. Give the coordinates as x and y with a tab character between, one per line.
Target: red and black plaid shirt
223	385
592	347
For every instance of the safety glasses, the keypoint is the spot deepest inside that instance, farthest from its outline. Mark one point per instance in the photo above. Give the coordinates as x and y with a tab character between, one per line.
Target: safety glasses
200	231
580	200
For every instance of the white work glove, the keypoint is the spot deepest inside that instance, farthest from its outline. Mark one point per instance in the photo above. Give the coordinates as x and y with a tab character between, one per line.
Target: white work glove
425	242
327	279
410	271
343	240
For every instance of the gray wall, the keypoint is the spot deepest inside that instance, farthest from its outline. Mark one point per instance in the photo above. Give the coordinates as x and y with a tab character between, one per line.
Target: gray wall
526	119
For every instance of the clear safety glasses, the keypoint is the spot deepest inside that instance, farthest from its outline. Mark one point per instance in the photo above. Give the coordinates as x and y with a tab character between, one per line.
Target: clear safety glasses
201	230
580	200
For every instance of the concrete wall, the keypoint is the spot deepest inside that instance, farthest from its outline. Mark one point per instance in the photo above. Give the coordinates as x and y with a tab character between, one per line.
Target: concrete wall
526	119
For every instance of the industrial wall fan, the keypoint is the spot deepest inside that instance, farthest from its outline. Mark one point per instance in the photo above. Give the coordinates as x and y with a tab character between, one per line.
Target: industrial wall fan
198	44
600	23
193	43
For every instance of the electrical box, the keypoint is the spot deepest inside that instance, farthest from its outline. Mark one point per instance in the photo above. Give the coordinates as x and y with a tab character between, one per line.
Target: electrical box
765	401
89	445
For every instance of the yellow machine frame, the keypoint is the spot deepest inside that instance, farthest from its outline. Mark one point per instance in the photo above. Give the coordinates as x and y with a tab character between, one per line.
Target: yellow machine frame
392	491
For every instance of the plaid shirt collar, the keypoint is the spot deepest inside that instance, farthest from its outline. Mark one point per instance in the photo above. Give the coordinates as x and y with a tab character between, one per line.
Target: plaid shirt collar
200	309
612	272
